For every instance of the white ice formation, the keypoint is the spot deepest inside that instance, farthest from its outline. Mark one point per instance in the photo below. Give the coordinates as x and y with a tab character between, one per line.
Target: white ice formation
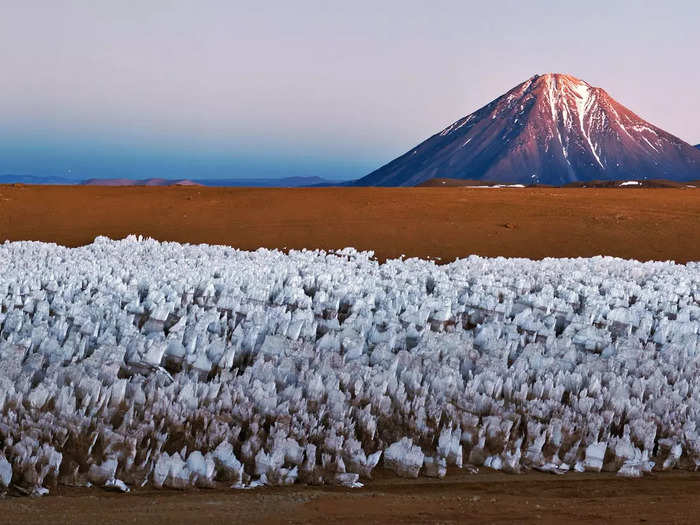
130	363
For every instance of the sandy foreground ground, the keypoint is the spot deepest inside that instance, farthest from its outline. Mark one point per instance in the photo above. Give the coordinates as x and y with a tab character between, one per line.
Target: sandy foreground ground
487	497
643	224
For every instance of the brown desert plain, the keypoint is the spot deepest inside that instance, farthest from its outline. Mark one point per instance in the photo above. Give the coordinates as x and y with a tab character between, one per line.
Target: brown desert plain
644	224
445	223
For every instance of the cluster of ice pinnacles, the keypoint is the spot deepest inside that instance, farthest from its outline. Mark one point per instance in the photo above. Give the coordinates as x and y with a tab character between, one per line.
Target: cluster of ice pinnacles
133	362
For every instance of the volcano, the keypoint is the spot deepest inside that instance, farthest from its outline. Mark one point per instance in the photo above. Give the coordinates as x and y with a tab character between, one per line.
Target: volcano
551	129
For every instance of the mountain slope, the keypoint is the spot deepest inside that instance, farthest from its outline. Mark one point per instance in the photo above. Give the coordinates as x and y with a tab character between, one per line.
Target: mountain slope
551	129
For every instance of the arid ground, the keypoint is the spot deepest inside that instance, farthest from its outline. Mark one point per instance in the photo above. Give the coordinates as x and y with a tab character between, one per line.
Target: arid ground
645	224
427	222
459	498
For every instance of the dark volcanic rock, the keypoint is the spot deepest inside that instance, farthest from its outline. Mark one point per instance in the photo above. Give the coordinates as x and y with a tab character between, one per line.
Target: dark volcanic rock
551	129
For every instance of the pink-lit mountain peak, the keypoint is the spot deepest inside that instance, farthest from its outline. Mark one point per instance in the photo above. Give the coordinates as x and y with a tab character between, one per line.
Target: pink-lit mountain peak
552	128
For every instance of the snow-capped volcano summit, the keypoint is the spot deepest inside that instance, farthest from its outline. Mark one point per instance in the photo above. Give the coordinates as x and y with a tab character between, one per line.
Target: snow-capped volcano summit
550	129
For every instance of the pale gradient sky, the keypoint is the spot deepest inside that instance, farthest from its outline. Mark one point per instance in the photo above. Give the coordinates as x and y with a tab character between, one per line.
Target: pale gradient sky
239	89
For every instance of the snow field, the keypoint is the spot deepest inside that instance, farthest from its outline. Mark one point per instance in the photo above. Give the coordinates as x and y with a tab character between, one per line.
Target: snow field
130	363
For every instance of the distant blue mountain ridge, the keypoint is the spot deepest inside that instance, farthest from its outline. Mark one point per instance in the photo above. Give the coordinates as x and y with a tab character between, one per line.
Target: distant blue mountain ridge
33	179
285	182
